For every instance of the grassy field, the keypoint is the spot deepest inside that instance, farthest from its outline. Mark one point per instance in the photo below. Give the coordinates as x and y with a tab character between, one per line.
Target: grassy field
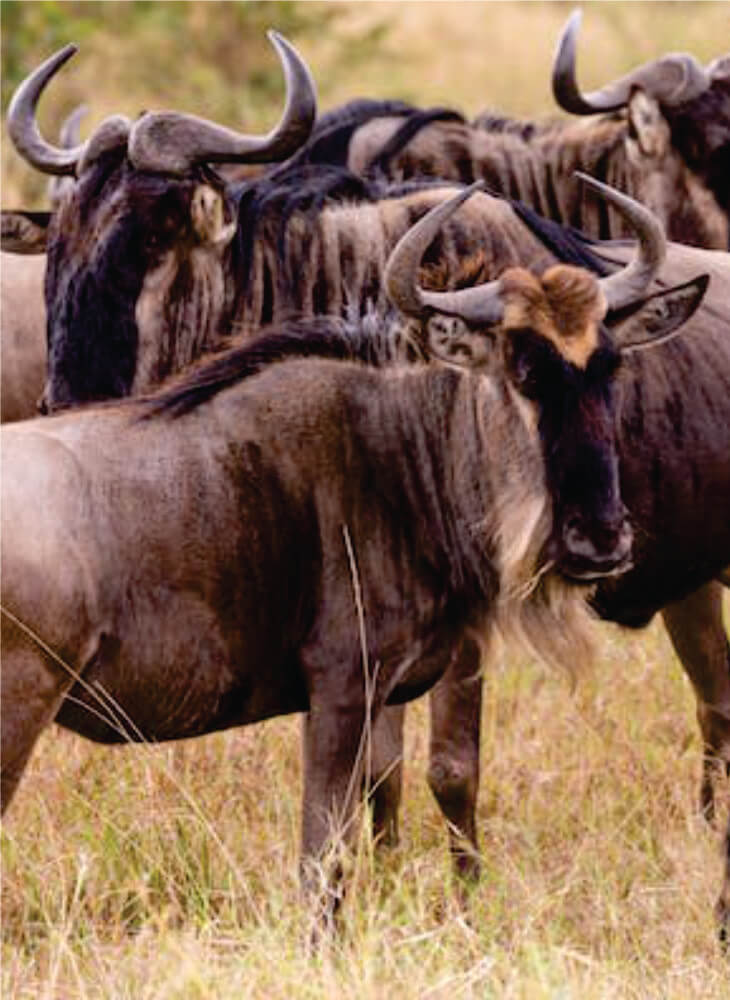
171	872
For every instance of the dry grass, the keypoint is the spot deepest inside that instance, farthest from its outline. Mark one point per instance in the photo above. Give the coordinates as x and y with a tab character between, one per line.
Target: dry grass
171	872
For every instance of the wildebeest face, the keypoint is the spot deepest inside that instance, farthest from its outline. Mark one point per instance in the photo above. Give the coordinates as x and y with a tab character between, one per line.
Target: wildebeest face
134	287
672	184
558	356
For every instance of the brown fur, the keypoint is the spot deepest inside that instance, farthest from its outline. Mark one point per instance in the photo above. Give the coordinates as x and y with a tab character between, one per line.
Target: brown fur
565	306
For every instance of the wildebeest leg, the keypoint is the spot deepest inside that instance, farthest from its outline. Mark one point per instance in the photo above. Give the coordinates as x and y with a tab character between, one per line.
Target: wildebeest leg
32	687
385	779
722	907
453	773
333	731
696	629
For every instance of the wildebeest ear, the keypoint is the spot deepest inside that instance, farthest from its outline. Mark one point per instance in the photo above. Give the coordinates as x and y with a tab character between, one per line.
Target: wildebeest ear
449	339
657	318
649	135
207	212
24	232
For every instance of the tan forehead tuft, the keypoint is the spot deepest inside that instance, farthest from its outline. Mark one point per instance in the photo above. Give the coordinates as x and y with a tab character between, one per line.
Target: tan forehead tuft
566	306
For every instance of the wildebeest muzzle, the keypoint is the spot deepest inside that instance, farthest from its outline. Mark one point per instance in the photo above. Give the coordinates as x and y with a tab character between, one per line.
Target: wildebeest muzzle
589	549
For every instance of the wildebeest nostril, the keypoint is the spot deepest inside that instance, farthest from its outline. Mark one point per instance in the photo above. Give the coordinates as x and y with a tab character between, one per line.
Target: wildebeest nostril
598	540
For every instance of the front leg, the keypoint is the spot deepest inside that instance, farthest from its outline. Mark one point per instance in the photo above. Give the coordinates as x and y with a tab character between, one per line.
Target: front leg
333	759
32	686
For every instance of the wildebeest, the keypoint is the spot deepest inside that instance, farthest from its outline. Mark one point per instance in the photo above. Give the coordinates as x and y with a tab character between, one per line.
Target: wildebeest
664	134
676	484
675	474
670	148
188	562
22	306
673	444
23	335
673	103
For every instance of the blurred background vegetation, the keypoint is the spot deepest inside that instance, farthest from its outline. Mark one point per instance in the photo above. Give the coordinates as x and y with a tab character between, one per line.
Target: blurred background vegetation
213	59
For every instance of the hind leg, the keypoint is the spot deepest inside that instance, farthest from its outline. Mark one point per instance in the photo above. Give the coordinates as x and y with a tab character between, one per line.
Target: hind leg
453	773
696	629
32	687
722	907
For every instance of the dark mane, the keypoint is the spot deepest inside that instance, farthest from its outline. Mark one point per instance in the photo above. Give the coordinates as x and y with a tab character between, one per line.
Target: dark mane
493	121
333	130
373	340
266	206
415	122
570	246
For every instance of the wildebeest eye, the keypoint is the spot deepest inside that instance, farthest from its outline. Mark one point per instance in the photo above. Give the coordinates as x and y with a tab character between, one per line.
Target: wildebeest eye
159	238
531	362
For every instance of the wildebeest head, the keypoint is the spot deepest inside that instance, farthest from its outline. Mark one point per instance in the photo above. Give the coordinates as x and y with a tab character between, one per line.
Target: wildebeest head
678	133
142	233
560	338
25	232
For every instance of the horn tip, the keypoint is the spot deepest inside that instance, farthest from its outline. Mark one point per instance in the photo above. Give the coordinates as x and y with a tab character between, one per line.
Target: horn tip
590	181
64	54
277	39
565	48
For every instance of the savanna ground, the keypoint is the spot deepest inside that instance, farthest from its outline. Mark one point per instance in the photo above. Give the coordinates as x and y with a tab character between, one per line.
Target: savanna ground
170	872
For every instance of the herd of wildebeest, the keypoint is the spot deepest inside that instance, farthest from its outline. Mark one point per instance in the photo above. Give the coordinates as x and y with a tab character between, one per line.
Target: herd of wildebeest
323	410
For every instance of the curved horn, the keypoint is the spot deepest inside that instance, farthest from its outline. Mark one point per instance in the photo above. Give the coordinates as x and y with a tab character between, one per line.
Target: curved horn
69	135
674	78
719	69
23	127
631	282
170	142
476	305
69	138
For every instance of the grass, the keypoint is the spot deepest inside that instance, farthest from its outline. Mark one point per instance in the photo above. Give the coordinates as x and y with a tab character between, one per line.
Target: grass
170	872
